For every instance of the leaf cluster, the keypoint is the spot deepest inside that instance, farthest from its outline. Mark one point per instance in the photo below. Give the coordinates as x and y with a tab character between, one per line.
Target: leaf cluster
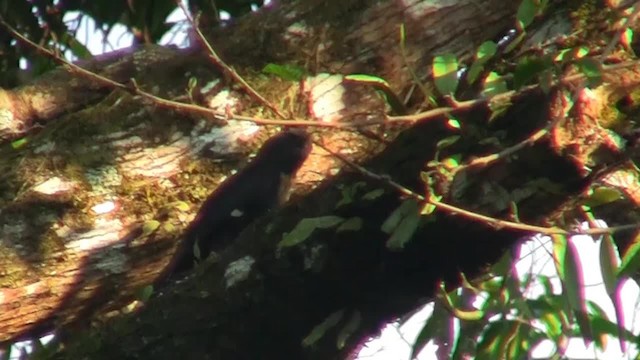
57	24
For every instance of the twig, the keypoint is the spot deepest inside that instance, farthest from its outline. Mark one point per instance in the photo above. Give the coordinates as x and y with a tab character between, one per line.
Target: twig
616	38
491	221
532	139
226	68
503	97
423	116
134	89
498	223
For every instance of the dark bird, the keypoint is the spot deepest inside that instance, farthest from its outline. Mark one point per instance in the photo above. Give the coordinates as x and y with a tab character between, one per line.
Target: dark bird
261	186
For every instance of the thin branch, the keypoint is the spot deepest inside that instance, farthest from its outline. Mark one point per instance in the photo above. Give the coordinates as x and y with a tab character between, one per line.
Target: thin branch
431	114
191	108
53	55
175	105
616	37
500	98
485	161
488	220
226	68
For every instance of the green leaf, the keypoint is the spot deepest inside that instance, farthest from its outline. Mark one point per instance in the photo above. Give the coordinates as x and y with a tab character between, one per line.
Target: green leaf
404	231
546	284
494	84
591	69
573	285
144	294
150	226
627	38
7	354
182	206
631	258
196	251
76	47
514	348
529	69
616	300
445	73
383	86
349	193
348	329
402	224
17	144
367	79
595	312
559	251
552	322
285	72
319	330
609	263
503	266
603	326
527	11
305	228
492	286
450	163
453	123
498	106
485	52
38	346
398	214
545	80
603	195
494	339
429	208
460	335
270	227
373	194
564	54
446	142
437	327
351	224
581	52
193	82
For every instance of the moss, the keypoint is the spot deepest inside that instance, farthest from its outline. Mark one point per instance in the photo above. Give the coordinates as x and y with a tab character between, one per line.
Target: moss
590	19
611	118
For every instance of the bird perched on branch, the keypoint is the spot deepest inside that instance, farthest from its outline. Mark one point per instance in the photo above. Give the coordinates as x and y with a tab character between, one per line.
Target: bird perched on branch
261	186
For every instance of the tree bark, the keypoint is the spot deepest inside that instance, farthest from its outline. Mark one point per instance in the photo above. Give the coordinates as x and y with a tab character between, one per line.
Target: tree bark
67	261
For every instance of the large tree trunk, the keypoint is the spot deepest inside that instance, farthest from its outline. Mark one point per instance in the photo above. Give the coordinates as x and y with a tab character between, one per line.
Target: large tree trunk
67	262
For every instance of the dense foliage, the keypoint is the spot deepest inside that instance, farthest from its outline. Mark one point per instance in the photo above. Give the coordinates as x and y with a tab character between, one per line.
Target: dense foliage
489	317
